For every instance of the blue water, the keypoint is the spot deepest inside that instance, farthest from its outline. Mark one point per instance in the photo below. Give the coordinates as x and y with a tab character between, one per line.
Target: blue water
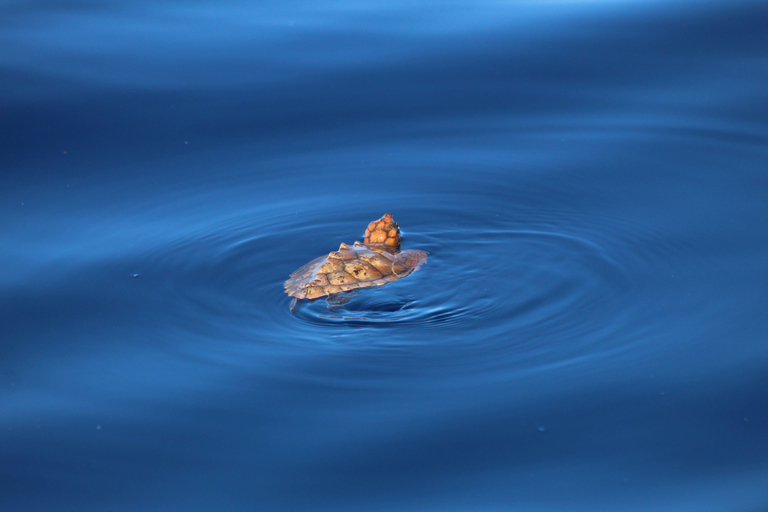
589	177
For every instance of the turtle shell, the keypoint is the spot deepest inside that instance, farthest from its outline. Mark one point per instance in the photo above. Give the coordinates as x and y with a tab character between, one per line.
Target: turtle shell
375	262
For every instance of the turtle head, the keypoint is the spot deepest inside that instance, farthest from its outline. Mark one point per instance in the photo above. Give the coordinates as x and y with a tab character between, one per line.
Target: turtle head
383	233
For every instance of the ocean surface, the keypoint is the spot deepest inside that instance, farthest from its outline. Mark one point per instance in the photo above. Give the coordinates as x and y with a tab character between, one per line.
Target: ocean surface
589	333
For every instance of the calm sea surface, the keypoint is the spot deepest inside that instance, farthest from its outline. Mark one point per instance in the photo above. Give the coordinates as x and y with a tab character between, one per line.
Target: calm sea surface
590	179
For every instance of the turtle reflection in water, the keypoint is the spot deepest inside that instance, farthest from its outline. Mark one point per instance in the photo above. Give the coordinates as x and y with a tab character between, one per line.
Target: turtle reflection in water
339	275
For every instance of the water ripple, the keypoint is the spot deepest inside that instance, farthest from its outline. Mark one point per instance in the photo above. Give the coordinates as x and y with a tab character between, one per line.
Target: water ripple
530	288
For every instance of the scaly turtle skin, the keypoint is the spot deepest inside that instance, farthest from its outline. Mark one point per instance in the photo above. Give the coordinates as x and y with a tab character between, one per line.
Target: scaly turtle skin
375	262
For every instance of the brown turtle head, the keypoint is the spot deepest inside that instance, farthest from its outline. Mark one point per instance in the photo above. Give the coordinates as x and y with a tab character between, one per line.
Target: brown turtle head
383	234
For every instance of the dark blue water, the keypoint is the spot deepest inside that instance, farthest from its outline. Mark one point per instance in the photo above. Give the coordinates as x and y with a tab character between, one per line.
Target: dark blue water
589	178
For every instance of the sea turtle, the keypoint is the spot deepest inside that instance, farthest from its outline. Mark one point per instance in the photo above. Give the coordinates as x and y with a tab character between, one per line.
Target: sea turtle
375	262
